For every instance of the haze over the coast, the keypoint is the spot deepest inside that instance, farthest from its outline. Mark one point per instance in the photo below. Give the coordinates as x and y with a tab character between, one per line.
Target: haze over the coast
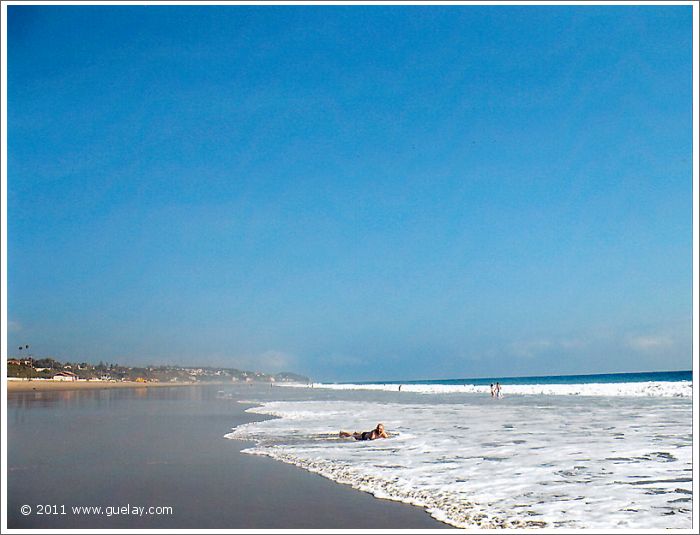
352	193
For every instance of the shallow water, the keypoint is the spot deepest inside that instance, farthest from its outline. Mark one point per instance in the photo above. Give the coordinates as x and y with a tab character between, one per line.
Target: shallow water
666	389
471	460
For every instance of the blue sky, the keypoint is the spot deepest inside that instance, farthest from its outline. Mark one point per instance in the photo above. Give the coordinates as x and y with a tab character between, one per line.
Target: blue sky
352	193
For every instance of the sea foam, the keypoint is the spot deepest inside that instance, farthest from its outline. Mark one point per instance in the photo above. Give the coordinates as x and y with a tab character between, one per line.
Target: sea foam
669	389
520	461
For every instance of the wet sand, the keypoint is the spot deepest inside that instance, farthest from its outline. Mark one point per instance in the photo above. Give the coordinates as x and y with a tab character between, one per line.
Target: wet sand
50	385
165	447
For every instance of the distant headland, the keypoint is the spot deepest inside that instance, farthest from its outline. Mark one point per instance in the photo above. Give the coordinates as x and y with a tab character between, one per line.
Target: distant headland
50	369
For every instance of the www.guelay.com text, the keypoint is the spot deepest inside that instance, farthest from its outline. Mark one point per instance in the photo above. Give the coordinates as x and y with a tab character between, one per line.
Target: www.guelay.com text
87	510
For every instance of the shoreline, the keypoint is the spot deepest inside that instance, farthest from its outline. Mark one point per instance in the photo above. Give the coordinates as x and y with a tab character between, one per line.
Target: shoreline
450	434
50	385
129	447
296	464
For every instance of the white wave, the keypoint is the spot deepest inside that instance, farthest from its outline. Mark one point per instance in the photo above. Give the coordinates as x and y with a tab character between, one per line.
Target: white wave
568	462
677	389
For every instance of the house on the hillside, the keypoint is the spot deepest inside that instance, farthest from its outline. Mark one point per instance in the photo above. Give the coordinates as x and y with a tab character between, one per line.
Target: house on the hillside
65	376
20	362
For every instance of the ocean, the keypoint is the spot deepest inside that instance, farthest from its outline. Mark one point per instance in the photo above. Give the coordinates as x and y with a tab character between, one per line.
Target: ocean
635	377
597	451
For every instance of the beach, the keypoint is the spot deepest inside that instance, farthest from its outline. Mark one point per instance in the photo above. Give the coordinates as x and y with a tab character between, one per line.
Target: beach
49	385
351	266
165	447
269	456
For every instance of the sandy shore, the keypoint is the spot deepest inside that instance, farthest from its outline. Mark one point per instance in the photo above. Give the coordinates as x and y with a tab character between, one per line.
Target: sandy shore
166	447
49	385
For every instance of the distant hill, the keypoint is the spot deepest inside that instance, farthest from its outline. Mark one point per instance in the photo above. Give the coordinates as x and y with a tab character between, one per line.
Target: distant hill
289	377
45	368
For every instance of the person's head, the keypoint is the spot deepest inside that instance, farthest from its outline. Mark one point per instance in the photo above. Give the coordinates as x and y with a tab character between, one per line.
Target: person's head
380	427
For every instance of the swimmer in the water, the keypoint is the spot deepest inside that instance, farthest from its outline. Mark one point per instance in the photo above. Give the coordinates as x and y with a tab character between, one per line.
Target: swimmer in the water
377	432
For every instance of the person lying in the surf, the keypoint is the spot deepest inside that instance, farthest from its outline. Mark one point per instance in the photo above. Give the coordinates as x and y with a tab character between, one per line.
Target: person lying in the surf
377	432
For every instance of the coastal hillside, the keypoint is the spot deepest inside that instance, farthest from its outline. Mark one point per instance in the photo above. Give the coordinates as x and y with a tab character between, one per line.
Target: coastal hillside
49	368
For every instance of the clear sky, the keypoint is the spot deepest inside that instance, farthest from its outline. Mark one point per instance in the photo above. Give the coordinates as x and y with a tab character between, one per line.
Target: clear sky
352	193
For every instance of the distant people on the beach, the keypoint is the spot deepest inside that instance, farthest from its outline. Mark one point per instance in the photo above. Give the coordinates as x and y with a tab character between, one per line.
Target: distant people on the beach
400	388
493	390
377	432
498	390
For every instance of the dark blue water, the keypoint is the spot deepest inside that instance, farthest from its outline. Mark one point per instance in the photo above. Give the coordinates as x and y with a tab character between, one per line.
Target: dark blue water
637	377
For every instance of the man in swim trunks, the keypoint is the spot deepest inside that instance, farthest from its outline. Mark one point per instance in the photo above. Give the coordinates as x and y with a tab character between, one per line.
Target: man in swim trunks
377	432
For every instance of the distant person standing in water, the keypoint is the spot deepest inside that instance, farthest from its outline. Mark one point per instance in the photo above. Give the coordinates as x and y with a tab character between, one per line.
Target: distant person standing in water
493	391
498	390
